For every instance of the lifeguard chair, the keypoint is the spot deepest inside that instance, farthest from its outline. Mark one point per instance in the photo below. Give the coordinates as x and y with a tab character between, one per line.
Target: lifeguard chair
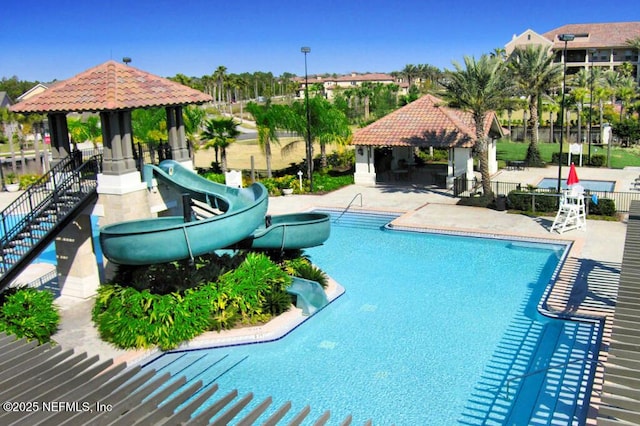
571	212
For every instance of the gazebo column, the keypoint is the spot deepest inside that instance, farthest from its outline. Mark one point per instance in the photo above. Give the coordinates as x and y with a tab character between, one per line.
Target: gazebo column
122	193
493	157
365	173
77	268
177	137
60	144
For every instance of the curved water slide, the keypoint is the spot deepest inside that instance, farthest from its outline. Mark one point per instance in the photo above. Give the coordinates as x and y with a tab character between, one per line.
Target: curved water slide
241	222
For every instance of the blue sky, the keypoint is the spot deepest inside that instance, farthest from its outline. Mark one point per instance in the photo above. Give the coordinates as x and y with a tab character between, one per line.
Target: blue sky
47	40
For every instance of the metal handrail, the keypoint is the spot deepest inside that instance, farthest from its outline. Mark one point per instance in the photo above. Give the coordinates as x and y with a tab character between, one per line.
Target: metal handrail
359	194
44	205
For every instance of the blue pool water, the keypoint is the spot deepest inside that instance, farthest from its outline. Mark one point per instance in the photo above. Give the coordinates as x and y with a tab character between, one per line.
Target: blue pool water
429	330
591	185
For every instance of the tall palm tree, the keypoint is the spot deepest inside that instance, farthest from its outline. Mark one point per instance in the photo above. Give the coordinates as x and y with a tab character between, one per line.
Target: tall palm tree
220	133
328	124
534	73
627	90
219	76
480	88
268	118
611	81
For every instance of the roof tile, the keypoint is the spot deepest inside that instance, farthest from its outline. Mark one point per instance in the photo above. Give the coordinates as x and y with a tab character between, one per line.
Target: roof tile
108	87
426	121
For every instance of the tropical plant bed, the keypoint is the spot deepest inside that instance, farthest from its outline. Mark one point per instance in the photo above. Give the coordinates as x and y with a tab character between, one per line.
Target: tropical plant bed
165	305
29	313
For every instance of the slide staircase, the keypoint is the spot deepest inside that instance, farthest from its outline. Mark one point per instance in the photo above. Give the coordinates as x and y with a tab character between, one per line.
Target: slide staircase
35	218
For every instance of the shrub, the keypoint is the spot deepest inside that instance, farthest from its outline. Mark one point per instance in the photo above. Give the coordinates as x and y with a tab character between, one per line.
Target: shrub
29	313
481	201
519	200
597	160
605	207
311	272
28	180
250	282
129	318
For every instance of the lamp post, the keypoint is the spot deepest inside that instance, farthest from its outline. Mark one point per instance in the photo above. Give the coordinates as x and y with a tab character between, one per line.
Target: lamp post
566	38
306	50
592	51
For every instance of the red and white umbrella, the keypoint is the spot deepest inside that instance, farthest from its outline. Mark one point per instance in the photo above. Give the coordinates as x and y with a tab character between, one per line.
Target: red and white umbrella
572	179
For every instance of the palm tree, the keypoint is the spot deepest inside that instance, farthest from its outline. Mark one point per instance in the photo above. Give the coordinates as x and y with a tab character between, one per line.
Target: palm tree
579	92
193	116
534	74
268	118
480	88
328	124
627	90
220	133
219	76
409	71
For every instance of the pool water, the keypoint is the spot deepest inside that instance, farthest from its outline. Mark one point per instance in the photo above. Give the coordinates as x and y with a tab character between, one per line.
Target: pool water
428	331
591	185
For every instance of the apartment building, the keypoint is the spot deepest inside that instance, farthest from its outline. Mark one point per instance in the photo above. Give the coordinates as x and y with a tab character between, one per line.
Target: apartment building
603	45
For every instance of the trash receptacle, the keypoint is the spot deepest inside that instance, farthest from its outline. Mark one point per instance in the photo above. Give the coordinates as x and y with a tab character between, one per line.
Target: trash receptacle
501	203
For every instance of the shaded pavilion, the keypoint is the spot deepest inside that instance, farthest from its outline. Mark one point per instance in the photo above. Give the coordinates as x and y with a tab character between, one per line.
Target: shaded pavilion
113	90
426	122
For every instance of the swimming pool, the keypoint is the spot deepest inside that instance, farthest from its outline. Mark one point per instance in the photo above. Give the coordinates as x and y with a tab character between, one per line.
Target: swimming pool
591	185
430	330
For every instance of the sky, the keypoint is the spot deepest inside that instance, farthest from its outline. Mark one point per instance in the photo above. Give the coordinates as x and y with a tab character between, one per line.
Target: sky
54	40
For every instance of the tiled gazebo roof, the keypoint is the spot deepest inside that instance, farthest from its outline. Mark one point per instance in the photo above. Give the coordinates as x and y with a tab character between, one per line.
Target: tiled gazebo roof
111	86
424	122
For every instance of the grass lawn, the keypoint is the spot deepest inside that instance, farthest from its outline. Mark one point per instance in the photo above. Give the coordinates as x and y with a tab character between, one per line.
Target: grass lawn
514	151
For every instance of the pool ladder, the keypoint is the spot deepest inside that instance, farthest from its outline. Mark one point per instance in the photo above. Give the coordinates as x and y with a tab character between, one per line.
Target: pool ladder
359	194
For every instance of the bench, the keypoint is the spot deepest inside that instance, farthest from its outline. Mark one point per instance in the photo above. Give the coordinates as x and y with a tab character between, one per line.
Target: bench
516	165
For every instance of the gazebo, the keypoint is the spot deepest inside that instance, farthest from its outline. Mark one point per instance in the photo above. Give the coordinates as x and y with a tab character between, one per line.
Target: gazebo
113	90
426	122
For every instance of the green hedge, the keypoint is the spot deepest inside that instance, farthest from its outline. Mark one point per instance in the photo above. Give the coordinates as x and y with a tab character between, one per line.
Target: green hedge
519	200
597	160
605	207
30	313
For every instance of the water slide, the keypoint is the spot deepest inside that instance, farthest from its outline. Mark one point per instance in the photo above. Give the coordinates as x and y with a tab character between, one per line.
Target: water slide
240	222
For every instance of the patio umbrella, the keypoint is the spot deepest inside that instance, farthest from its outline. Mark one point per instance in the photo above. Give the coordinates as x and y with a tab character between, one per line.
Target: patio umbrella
572	179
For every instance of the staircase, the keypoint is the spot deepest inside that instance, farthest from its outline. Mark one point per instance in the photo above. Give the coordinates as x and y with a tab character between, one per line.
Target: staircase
34	219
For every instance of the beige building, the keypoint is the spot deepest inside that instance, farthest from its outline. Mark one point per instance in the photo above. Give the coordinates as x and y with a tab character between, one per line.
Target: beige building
342	82
600	45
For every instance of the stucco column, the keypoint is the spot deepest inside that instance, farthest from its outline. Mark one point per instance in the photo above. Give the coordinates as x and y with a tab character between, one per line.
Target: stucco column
78	274
365	173
176	135
60	144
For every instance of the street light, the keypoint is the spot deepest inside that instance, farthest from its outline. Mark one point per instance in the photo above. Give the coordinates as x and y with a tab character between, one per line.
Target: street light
306	50
566	38
592	51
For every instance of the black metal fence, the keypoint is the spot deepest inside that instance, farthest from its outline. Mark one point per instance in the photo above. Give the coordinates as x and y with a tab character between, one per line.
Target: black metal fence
467	188
151	153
